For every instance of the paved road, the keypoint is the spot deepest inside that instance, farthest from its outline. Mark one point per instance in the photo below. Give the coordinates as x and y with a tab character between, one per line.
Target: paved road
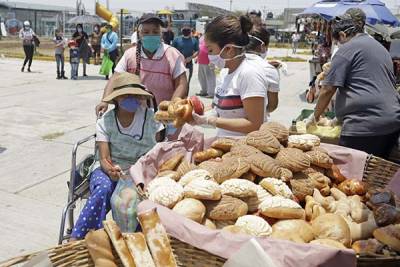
40	119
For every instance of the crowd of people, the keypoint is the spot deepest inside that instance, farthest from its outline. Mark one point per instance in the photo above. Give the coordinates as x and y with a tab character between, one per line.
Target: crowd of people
234	72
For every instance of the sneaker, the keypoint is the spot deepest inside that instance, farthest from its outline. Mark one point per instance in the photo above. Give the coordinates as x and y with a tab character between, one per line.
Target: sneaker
201	94
84	75
22	69
29	70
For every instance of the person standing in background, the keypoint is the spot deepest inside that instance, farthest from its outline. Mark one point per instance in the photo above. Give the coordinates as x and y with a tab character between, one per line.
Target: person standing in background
206	73
27	36
189	47
60	44
168	36
81	39
295	42
109	43
73	59
95	39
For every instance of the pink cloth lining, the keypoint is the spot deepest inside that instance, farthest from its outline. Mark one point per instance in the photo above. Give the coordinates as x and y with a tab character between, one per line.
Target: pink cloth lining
224	244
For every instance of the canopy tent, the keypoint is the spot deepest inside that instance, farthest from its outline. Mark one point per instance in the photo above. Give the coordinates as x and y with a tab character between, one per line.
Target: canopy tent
375	10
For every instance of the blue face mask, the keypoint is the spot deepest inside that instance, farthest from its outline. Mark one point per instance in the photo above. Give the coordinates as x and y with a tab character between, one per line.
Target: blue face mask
151	42
130	104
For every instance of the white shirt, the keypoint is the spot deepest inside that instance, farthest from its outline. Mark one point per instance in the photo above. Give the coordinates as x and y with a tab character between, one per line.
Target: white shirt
245	82
179	66
134	38
134	129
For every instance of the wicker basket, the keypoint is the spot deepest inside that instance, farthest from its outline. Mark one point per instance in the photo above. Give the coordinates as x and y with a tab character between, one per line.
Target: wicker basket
378	172
76	254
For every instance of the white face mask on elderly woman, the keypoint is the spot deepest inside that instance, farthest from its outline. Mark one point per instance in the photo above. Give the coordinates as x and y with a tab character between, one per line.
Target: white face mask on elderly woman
219	61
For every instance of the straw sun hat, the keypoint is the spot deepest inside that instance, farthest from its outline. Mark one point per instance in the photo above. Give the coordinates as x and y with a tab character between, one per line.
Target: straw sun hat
127	84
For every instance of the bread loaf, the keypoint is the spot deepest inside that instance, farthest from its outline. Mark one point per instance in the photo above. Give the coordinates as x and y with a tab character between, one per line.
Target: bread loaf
190	208
264	141
369	247
198	174
118	242
353	187
239	188
207	154
223	144
328	243
227	208
167	196
171	164
100	249
138	248
278	130
157	239
332	226
276	187
295	230
203	189
320	159
304	142
281	208
257	226
293	159
389	235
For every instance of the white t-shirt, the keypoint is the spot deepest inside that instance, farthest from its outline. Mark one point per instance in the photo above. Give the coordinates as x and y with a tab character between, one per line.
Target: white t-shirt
134	129
232	88
179	66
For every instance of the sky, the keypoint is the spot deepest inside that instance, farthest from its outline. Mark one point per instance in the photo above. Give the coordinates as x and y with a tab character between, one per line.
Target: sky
151	5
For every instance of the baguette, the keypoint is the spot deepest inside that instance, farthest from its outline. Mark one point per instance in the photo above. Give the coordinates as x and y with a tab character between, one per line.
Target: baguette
118	242
138	248
157	239
99	248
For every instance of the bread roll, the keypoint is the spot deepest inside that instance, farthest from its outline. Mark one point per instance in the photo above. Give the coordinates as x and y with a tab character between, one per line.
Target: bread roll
207	154
353	187
293	159
335	174
227	208
164	105
304	142
254	202
386	214
203	189
302	188
320	159
171	174
185	167
100	249
321	182
138	248
295	230
171	164
235	229
163	116
328	243
194	175
264	141
257	226
389	235
369	247
276	187
278	130
209	224
221	224
281	208
157	239
239	188
223	144
160	181
168	195
313	209
332	226
190	208
118	242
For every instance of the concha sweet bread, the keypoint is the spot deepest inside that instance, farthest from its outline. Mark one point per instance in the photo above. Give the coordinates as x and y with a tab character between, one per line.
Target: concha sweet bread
235	229
225	209
244	150
277	187
264	141
276	129
160	181
167	195
265	166
294	230
239	188
304	142
226	169
281	208
320	159
254	202
191	208
203	189
301	186
257	226
194	175
185	167
293	159
321	182
223	144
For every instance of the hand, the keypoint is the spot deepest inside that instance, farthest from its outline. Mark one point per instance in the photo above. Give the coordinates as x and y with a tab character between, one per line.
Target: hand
334	122
101	108
203	120
114	171
188	59
275	63
310	121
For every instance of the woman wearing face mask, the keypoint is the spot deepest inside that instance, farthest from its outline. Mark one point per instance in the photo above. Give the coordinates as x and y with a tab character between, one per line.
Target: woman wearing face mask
27	34
361	75
109	42
240	94
123	135
95	40
81	38
160	67
256	51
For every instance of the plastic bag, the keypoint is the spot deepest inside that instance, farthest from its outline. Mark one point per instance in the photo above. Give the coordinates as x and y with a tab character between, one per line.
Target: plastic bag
106	65
124	203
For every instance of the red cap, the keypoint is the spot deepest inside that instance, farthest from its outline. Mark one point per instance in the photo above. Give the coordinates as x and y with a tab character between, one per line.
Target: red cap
197	105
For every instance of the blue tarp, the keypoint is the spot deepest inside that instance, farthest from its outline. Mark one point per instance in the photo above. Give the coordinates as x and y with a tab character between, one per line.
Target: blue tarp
375	10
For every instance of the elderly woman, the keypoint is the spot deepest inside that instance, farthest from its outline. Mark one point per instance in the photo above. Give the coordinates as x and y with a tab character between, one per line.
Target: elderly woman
123	135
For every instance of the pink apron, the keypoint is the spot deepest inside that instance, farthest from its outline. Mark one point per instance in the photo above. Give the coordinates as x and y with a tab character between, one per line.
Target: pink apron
156	74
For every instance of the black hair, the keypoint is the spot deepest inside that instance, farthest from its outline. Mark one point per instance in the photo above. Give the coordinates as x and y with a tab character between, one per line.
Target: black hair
260	33
138	56
346	25
225	30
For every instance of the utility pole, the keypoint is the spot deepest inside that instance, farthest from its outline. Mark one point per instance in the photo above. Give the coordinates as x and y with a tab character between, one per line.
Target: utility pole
230	5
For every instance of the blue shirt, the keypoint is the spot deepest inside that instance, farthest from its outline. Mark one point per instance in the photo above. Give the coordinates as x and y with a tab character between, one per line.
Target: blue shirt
74	55
187	46
109	41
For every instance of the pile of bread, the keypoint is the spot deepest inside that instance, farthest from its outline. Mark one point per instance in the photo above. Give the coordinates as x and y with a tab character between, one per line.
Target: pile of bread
151	248
273	184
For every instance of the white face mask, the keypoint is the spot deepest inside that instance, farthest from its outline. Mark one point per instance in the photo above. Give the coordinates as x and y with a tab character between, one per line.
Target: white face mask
264	55
220	62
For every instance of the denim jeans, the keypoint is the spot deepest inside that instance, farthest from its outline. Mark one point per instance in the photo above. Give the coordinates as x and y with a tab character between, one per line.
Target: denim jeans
74	70
60	63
